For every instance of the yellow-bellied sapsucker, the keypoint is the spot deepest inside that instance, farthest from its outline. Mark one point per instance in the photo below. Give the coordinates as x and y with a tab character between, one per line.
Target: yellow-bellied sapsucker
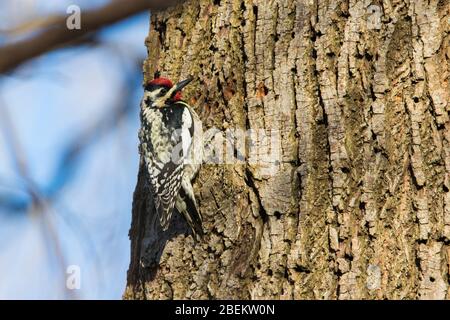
171	144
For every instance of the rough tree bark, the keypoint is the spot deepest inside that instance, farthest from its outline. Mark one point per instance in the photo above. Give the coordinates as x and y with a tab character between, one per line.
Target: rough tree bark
359	205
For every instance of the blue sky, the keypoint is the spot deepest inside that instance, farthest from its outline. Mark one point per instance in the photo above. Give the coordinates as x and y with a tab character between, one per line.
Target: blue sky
52	101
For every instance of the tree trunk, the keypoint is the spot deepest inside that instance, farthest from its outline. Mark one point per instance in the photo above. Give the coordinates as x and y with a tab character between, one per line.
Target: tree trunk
357	204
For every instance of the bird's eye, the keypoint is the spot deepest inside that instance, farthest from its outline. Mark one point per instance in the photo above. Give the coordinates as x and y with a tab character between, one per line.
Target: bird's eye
163	91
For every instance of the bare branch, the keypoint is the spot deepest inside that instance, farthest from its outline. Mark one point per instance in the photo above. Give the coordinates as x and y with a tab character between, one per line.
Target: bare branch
57	34
30	26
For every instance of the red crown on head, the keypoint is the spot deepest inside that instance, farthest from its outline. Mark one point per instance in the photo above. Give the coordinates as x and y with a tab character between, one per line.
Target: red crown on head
161	82
166	83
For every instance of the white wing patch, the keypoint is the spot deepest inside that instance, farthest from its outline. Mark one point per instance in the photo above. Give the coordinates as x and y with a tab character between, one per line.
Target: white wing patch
186	132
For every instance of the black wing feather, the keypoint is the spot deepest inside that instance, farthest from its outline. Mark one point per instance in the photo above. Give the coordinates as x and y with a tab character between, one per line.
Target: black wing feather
191	214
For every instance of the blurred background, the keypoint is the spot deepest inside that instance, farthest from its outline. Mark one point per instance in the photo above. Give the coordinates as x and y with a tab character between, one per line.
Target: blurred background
68	151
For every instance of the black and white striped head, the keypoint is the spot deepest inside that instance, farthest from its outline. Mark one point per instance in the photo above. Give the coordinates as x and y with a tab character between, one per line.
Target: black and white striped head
161	92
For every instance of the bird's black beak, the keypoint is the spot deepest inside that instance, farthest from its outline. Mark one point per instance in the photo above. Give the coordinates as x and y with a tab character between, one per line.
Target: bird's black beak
180	85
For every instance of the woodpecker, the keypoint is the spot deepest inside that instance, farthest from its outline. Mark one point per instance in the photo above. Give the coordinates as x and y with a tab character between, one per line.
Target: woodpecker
171	145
